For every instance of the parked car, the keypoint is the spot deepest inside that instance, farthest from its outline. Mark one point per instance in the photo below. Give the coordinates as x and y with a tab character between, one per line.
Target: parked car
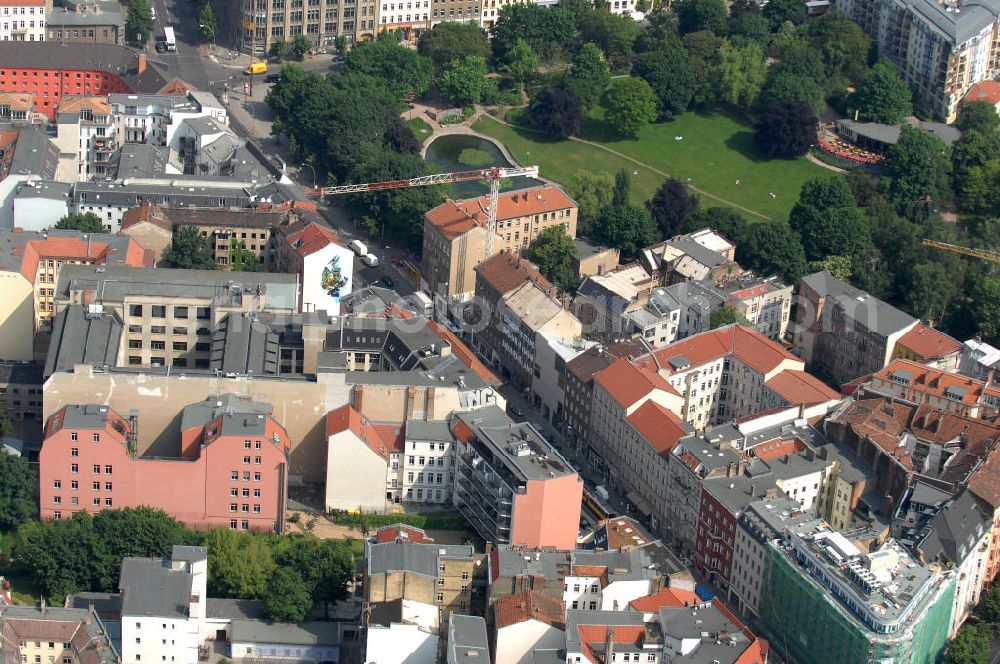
161	47
371	260
515	411
358	247
272	78
387	281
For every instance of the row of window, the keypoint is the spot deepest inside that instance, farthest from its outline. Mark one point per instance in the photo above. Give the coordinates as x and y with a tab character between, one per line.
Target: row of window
160	311
74	485
74	500
75	469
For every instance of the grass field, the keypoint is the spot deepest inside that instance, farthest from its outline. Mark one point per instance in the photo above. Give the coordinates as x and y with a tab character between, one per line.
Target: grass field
420	129
717	149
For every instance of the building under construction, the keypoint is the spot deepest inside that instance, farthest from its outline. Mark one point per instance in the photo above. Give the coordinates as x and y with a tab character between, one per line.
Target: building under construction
825	601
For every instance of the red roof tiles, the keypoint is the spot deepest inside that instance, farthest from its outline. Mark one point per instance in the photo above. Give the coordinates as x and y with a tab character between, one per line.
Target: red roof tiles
507	271
454	218
749	346
402	533
798	387
463	352
382	438
530	605
928	343
988	91
668	597
661	427
627	383
311	239
927	380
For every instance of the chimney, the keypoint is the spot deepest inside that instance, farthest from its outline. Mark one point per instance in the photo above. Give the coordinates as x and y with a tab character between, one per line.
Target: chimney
609	646
140	65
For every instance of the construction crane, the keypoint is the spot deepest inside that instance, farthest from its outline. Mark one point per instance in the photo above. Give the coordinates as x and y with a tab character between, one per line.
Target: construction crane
493	175
982	254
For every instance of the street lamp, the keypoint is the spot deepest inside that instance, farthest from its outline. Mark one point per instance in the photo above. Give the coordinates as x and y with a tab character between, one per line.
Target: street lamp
212	30
311	168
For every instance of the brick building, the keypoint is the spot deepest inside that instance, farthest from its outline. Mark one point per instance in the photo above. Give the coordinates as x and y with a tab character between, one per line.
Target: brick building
229	469
50	72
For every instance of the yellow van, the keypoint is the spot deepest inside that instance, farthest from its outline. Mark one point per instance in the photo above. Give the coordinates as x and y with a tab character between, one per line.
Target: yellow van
256	68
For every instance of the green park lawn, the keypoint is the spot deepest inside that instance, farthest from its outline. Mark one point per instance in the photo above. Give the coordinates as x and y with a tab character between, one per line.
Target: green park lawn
420	129
716	150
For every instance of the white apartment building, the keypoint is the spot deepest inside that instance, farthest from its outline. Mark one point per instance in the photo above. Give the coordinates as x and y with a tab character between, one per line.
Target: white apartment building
153	119
22	20
86	136
552	354
427	473
163	606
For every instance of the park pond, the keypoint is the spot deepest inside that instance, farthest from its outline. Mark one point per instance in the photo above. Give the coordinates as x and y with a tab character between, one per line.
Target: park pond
461	152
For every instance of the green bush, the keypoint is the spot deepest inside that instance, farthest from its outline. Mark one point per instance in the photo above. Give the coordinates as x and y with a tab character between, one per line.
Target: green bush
443	521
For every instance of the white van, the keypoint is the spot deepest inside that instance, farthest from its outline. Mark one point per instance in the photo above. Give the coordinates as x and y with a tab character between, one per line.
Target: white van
358	247
371	260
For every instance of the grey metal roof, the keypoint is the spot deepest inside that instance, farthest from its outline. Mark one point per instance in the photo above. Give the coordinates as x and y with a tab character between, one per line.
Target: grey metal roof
513	449
234	609
301	634
954	531
77	339
204	99
518	562
721	641
244	347
585	249
108	14
205	125
150	588
59	191
139	160
924	493
107	605
190	554
467	639
239	415
177	190
114	283
428	430
699	252
85	416
414	558
34	153
873	313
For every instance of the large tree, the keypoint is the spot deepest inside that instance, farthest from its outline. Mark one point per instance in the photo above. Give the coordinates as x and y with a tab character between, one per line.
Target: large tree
548	31
402	69
449	41
553	251
139	22
671	205
190	251
464	81
17	491
520	63
971	645
695	15
932	288
613	33
916	169
828	220
557	111
786	129
883	96
287	598
727	315
326	566
631	105
131	532
780	11
591	191
239	564
985	294
589	75
208	23
741	73
843	44
771	247
627	228
668	71
978	115
785	85
86	222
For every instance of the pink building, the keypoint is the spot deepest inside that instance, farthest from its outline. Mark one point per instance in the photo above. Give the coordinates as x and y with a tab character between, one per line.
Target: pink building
512	486
230	469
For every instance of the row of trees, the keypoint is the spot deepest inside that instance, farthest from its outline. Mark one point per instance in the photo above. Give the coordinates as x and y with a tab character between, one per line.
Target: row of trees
290	574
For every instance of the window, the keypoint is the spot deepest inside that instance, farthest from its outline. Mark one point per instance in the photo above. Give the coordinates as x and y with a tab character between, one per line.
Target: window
245	525
107	502
107	486
57	515
74	485
96	486
97	469
180	312
235	475
96	437
256	493
108	469
233	507
202	313
73	435
158	311
256	477
256	509
232	524
246	461
74	451
57	499
234	492
256	460
440	597
57	484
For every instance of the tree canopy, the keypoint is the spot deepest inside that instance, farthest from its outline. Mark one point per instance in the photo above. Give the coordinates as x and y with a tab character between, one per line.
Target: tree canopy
829	221
589	75
695	15
464	81
403	70
978	116
771	247
139	22
17	491
86	222
557	111
287	598
631	105
553	252
726	316
190	251
448	41
741	74
786	129
883	96
917	167
548	31
671	205
668	71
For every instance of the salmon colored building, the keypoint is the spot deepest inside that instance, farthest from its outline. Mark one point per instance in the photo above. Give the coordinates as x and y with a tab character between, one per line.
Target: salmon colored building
511	485
230	468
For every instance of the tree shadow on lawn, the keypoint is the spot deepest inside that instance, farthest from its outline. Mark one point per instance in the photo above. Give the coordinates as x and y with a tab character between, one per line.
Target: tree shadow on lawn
599	131
743	142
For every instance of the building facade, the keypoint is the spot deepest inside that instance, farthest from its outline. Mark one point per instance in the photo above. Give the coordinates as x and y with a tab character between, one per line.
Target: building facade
230	468
22	21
